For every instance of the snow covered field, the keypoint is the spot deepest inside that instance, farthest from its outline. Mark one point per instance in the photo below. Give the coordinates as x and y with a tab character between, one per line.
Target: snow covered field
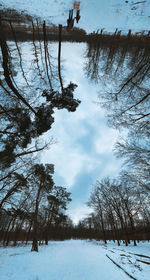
95	14
75	260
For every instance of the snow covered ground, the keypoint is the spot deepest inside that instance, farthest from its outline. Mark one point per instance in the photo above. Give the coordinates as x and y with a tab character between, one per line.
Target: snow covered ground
75	260
95	14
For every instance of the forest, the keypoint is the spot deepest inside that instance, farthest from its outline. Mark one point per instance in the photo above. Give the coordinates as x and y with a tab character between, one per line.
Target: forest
32	207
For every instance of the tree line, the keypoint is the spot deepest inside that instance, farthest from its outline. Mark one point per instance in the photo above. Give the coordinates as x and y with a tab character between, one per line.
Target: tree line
121	206
121	212
30	202
31	206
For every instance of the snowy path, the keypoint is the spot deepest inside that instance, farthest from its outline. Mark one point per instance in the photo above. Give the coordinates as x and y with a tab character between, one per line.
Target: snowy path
68	260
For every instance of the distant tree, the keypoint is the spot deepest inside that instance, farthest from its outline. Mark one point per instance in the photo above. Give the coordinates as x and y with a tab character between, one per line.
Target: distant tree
118	209
57	205
95	202
136	153
43	182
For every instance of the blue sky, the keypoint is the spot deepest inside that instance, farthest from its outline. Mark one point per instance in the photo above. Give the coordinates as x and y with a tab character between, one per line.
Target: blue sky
83	152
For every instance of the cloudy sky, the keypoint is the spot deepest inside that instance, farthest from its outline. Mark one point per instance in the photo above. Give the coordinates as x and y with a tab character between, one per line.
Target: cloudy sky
83	152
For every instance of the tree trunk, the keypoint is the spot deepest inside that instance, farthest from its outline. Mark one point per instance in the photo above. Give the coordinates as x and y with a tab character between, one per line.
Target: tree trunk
6	236
28	233
35	223
59	55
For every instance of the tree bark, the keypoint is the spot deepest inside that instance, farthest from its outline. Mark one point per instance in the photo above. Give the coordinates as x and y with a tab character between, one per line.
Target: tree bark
35	223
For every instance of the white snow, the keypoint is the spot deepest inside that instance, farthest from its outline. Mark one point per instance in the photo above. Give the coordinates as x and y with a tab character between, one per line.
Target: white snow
95	14
131	258
73	260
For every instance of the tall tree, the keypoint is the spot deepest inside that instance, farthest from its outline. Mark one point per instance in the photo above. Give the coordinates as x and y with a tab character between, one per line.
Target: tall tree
43	182
28	112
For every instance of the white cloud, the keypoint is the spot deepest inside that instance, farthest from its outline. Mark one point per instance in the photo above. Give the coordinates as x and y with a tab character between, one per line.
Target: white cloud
79	212
105	140
84	141
68	161
70	155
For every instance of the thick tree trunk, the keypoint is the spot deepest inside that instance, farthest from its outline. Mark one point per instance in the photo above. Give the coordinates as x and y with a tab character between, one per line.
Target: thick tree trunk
35	223
34	243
